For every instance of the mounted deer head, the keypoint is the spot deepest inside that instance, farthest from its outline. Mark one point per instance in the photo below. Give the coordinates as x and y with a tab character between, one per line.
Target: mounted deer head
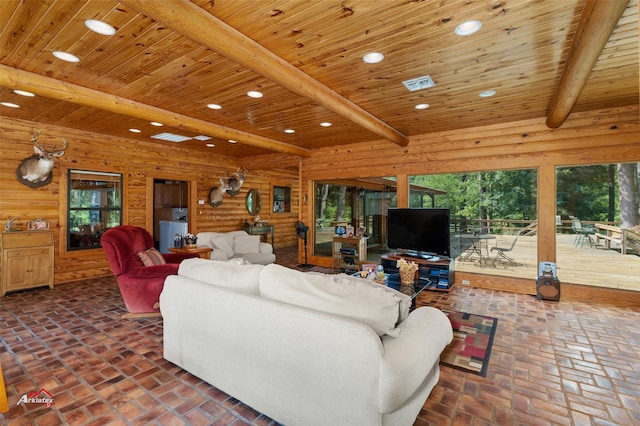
35	171
237	180
217	193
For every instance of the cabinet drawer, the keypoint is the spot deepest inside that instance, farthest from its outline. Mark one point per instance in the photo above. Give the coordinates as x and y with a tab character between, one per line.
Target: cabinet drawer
14	253
26	239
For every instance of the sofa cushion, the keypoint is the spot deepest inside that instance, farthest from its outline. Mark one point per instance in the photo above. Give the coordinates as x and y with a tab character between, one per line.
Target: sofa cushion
378	306
151	257
243	278
220	243
344	279
246	244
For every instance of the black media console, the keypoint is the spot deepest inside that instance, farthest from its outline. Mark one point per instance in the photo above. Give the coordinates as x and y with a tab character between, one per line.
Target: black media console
440	274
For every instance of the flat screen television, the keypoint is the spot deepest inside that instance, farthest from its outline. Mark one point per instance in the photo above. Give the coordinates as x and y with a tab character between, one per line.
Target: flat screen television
419	232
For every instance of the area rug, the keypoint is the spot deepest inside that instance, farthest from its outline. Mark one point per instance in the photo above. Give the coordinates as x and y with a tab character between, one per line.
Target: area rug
472	341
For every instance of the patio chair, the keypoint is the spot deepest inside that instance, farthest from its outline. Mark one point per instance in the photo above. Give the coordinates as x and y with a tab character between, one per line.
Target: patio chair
583	232
501	252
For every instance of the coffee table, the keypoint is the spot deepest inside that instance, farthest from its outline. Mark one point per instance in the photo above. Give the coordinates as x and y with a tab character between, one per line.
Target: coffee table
202	251
419	285
393	281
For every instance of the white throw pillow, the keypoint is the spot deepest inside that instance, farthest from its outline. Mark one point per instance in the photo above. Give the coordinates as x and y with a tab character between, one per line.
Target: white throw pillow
246	244
243	278
376	305
220	243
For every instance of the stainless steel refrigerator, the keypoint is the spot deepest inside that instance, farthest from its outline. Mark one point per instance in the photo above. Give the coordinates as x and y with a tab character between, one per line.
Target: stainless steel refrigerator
168	231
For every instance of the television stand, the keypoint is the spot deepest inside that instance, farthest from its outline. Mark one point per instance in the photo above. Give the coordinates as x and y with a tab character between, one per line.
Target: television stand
440	273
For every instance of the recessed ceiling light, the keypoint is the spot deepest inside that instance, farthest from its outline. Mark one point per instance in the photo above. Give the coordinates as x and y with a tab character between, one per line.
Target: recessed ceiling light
232	141
422	106
254	94
100	27
68	57
373	57
155	123
468	28
289	131
23	93
211	145
214	106
325	124
487	93
135	130
10	105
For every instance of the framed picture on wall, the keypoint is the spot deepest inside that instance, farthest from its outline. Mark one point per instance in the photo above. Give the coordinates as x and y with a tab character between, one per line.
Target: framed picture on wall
281	199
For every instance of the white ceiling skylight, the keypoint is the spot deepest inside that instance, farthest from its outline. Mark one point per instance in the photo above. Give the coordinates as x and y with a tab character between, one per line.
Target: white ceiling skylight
171	137
202	137
66	56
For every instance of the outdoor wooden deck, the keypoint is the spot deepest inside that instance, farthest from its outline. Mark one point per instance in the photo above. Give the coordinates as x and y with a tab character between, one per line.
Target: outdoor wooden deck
593	266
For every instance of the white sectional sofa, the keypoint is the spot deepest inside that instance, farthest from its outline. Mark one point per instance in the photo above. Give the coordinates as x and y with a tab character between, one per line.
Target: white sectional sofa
237	245
303	348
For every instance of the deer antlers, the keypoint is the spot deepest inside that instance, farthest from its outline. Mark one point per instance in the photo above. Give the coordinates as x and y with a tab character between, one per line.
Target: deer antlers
35	171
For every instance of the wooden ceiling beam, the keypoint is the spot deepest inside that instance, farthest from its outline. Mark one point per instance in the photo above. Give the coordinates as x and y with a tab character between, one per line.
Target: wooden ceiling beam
55	89
202	27
599	19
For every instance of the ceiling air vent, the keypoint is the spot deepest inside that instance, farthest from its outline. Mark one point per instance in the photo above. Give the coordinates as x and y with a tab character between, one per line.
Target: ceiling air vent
419	83
171	137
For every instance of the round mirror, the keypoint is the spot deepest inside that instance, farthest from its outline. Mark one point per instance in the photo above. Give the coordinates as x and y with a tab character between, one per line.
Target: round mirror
253	202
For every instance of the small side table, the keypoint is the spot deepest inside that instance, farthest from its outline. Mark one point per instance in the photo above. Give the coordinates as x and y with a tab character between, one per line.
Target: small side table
202	251
260	230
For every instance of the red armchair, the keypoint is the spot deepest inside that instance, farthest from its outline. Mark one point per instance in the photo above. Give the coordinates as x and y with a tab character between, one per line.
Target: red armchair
140	285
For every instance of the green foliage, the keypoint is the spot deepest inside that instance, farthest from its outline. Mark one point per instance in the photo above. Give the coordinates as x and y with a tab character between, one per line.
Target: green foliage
507	194
584	192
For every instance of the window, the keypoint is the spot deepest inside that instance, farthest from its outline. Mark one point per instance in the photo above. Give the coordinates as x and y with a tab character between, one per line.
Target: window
281	199
360	203
493	218
596	206
95	205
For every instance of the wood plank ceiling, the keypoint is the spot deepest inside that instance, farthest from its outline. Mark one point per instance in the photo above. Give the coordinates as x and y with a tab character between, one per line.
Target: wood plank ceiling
169	59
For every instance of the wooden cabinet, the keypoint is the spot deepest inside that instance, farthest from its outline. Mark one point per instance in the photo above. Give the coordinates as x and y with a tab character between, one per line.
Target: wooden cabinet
349	253
27	260
171	194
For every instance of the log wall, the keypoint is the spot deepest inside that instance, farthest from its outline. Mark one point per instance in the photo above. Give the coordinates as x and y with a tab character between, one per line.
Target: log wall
586	138
140	163
605	136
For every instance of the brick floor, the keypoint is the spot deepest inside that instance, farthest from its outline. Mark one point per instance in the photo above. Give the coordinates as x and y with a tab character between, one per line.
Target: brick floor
566	363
